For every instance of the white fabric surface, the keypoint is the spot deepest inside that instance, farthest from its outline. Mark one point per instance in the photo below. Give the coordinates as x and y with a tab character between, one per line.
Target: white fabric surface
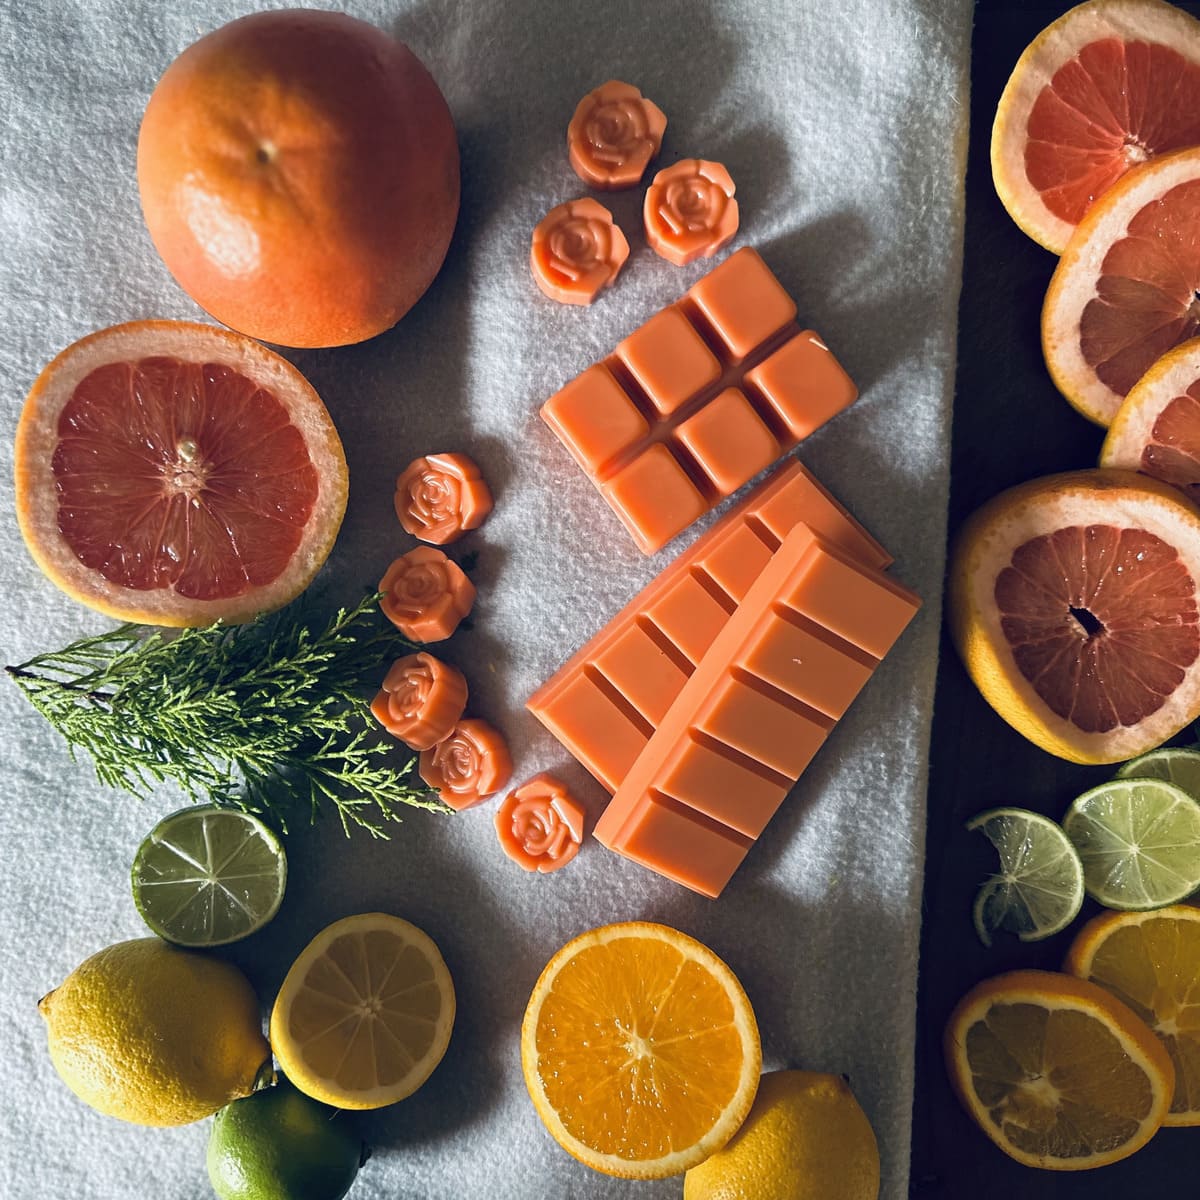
843	123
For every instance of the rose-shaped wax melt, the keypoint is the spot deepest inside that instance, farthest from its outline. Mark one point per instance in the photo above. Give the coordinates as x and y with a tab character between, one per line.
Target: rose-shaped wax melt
469	765
540	825
613	135
425	595
441	496
690	211
421	701
577	251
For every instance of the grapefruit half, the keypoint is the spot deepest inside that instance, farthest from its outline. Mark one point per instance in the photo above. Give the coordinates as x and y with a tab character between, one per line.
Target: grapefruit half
176	474
1074	604
1109	85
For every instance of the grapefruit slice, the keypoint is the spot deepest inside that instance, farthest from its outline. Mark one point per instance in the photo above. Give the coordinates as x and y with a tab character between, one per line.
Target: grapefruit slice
1110	85
175	474
1073	603
1125	290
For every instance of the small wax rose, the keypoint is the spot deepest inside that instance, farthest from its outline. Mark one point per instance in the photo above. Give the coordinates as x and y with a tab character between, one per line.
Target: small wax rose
577	251
441	496
421	700
540	825
690	211
469	765
613	135
425	595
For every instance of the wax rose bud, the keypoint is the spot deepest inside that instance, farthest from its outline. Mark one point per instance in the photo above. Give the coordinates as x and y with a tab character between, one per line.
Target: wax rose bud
441	496
469	765
613	135
421	700
425	595
690	211
577	251
540	825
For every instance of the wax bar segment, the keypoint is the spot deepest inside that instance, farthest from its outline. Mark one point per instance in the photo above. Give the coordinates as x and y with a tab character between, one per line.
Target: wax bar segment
698	400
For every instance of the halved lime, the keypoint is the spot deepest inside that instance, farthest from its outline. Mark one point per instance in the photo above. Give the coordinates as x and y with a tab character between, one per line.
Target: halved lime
1139	840
206	876
1039	888
1174	764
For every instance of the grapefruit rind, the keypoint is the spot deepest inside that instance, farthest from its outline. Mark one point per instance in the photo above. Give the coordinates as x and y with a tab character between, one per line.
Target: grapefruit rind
985	546
36	497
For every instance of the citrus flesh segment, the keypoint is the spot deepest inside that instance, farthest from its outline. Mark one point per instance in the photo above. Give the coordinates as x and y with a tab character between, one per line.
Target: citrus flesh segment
1139	841
1151	962
1073	604
177	474
1171	763
365	1013
640	1050
1106	87
1057	1071
1039	889
207	876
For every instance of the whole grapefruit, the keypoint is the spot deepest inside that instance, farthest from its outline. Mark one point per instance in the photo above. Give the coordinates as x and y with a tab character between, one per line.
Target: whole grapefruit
299	176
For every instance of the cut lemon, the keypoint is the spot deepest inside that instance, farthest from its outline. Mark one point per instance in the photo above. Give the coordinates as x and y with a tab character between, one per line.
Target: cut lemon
364	1014
640	1050
1177	766
206	876
1057	1071
1139	840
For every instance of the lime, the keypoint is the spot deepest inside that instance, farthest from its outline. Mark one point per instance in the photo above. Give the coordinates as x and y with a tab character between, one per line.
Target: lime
206	876
1177	766
280	1145
1139	840
1039	888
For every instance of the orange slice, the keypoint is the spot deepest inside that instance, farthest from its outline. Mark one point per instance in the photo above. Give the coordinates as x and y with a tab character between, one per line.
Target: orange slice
1057	1071
1073	602
365	1013
1109	85
1151	962
176	474
640	1050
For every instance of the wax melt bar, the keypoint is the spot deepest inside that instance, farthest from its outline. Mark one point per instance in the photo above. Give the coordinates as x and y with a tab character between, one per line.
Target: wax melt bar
805	638
604	702
698	400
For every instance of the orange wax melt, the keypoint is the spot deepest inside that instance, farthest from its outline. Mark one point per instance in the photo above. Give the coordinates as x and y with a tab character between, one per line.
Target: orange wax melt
421	700
690	211
805	638
425	595
605	701
468	765
577	251
613	135
441	496
698	400
540	825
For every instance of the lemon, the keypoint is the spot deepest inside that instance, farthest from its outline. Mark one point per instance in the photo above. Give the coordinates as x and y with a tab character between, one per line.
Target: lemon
155	1035
806	1138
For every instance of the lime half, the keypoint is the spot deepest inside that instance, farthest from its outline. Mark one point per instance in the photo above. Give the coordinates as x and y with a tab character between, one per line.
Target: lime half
1177	766
1139	840
1039	887
206	876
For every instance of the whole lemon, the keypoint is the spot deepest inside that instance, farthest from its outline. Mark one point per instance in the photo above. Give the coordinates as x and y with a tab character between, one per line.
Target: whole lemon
155	1035
806	1138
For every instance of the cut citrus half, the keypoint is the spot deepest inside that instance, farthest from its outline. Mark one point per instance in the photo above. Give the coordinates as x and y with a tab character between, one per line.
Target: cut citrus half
1073	602
1174	764
1107	86
206	876
1039	889
1157	428
1151	962
1124	291
365	1013
1139	841
1056	1070
640	1050
176	474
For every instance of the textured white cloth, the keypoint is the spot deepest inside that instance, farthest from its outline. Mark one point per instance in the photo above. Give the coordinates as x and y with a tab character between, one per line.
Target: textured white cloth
843	123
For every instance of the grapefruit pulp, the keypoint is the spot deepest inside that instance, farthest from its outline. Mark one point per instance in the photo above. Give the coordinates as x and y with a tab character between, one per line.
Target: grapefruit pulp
176	474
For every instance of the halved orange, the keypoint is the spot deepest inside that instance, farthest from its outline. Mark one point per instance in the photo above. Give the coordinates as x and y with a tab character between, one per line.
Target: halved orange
174	473
640	1050
1057	1071
1151	962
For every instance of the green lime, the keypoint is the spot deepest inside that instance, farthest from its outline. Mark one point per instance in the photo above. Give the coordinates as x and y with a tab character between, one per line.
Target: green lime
1177	766
1039	888
206	876
1139	840
279	1144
